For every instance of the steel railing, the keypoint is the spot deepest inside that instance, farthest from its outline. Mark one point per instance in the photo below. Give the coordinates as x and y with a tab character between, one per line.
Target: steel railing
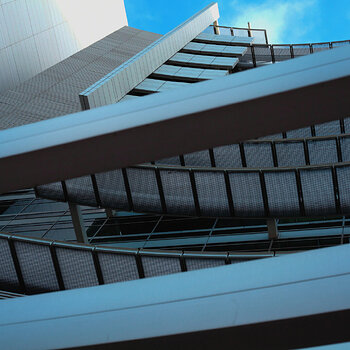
239	31
272	53
32	266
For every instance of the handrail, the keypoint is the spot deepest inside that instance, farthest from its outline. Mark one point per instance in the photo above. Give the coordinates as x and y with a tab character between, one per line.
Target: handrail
338	148
119	126
249	30
240	28
240	170
71	265
325	43
133	251
290	50
276	192
312	47
211	154
330	43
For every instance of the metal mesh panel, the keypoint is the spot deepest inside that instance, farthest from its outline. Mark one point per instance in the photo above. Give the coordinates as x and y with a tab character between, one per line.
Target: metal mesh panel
144	190
343	176
197	263
80	191
247	57
246	194
212	195
37	267
263	53
320	47
290	154
169	161
42	107
112	190
52	191
347	125
200	158
282	193
178	192
299	133
318	193
8	276
326	129
345	148
228	156
340	43
158	266
118	267
51	92
281	52
77	268
301	50
69	66
322	151
258	155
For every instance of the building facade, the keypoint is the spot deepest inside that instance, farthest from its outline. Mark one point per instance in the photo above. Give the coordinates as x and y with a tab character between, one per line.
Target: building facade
35	35
213	187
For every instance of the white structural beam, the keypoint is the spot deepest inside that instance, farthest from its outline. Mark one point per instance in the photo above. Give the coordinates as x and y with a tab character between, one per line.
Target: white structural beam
288	95
223	305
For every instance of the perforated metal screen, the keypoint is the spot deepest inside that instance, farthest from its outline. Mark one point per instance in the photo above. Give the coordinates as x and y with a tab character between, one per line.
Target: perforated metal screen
44	266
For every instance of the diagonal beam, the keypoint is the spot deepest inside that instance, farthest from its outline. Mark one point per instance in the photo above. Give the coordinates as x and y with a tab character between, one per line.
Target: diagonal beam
268	100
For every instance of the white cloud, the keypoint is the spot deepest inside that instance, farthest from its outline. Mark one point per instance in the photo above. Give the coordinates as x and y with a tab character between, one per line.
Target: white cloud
284	20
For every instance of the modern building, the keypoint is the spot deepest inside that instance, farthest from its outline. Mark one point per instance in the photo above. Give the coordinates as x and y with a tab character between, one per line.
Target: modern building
35	35
167	154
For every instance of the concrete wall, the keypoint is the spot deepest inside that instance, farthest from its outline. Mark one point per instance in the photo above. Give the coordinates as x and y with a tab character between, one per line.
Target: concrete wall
36	34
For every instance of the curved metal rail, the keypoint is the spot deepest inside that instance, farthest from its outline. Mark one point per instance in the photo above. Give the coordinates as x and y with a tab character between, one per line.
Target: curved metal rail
267	153
213	192
277	52
32	266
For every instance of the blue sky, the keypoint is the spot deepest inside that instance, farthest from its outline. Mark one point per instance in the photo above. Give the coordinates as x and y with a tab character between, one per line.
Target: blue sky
287	21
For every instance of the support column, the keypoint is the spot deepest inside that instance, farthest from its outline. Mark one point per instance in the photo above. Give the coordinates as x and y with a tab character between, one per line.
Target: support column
249	30
272	228
78	223
216	28
109	213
